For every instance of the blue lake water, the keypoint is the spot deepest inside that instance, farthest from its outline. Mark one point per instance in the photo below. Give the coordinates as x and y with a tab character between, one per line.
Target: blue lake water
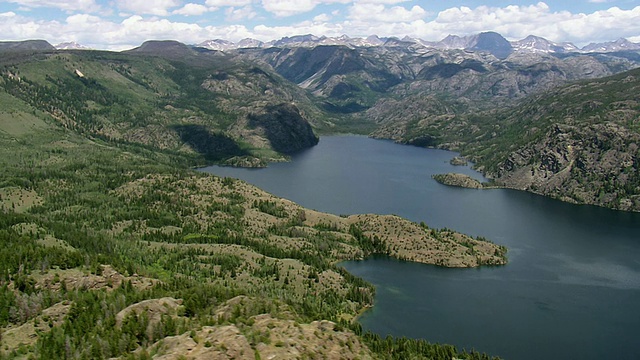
572	286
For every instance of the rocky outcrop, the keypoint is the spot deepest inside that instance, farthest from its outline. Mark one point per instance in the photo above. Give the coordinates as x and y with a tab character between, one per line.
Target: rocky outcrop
261	336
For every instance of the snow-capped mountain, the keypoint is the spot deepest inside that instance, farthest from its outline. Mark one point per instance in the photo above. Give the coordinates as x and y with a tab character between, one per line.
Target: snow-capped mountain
618	45
217	44
71	45
534	43
491	42
294	41
372	40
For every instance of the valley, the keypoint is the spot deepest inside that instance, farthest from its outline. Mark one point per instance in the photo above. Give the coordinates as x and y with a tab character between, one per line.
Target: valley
115	247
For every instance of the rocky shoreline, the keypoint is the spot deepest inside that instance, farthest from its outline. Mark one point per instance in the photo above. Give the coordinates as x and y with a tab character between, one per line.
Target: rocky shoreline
459	180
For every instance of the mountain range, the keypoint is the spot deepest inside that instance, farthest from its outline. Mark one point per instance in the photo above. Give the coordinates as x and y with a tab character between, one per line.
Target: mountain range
487	41
490	41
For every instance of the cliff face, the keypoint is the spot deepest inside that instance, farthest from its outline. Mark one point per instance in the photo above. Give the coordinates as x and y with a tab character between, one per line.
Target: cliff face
284	127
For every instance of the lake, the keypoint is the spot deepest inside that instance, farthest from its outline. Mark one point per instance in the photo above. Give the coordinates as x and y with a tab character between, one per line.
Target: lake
572	285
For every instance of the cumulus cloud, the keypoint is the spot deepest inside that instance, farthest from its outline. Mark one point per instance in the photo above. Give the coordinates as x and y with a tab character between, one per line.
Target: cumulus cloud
191	9
284	8
100	33
156	7
233	14
377	12
388	2
516	22
266	33
322	18
88	6
362	19
234	3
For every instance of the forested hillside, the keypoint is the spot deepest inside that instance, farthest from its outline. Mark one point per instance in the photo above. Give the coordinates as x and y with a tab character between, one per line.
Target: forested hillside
201	105
113	247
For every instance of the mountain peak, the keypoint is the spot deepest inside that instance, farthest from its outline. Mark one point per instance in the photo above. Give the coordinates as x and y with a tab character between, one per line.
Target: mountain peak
534	43
216	44
71	45
170	48
621	44
494	43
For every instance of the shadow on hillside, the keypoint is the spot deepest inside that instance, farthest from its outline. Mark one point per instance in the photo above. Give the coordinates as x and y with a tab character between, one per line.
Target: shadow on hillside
212	146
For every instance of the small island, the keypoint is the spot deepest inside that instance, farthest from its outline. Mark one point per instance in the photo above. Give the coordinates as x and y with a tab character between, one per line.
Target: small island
459	180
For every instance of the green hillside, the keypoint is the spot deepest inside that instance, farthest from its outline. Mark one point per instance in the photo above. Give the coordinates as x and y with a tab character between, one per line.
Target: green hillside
113	247
153	101
578	143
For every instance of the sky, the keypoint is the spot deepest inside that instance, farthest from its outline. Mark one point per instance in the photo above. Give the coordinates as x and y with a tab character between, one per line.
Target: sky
124	24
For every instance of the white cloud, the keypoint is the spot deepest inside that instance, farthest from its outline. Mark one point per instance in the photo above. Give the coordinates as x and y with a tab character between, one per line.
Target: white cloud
388	2
266	33
191	9
516	22
233	14
156	7
234	3
284	8
99	33
322	18
378	12
88	6
83	19
513	22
